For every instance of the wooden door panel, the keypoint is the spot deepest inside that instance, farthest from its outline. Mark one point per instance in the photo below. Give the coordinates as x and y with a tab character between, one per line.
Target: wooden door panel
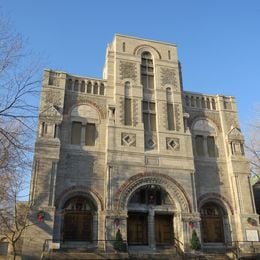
212	230
137	229
77	226
164	229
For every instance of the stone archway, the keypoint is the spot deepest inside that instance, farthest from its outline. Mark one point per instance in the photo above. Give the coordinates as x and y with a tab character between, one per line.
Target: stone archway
172	187
79	219
215	222
89	214
155	222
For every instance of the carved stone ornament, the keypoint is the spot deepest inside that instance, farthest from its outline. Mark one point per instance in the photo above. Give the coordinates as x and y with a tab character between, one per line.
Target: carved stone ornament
53	98
168	77
128	70
172	144
128	139
235	134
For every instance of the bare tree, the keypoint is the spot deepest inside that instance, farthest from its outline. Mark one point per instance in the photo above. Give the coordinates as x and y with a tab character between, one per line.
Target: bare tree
253	144
19	91
14	214
19	85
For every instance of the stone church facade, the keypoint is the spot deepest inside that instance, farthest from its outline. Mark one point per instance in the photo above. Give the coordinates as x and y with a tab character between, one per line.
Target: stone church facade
135	152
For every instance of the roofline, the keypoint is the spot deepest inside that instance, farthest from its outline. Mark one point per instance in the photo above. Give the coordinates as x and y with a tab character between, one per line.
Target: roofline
137	38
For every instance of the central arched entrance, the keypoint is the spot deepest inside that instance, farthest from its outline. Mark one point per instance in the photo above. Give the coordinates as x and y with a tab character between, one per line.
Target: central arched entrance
79	213
150	217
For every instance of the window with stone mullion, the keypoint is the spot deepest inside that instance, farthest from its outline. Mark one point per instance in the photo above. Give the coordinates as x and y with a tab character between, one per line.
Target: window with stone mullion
149	116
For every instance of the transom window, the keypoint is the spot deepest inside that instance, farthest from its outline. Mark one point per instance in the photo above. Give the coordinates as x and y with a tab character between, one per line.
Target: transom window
150	195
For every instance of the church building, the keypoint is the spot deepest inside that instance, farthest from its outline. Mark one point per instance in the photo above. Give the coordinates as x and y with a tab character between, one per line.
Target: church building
135	153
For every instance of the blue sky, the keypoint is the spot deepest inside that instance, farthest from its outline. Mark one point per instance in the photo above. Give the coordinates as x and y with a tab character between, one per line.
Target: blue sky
218	40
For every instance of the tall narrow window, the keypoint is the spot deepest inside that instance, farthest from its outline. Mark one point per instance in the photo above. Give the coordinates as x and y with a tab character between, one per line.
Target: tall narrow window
90	136
169	55
123	47
89	87
149	116
95	91
211	146
213	102
128	104
102	89
76	133
199	144
76	85
70	84
208	103
128	111
82	86
170	111
147	73
197	102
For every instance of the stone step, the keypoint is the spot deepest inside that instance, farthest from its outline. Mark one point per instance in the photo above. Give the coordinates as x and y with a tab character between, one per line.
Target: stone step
78	255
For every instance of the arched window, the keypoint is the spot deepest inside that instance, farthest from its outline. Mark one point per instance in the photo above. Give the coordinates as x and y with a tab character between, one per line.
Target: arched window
147	71
95	91
76	85
70	84
197	102
213	102
89	87
208	103
102	89
82	86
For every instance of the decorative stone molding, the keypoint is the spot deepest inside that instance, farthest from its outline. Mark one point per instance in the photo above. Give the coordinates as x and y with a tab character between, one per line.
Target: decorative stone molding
190	217
168	77
172	144
174	189
71	103
128	139
211	197
128	70
235	134
74	190
51	114
178	117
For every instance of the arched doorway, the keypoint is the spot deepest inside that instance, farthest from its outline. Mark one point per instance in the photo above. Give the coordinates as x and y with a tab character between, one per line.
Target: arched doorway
150	217
212	223
79	213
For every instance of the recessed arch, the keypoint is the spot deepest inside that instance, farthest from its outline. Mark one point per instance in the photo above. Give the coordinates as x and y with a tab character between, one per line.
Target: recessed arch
84	191
218	199
143	48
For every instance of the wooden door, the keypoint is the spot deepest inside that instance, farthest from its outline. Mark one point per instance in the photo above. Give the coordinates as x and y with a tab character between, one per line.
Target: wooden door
137	229
164	229
78	226
212	230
